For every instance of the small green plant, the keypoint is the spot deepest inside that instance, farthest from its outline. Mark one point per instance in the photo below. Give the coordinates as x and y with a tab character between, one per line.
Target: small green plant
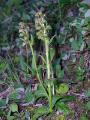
45	89
42	32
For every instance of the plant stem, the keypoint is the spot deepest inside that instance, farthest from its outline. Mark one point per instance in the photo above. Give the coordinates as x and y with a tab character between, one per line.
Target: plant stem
47	58
27	56
33	55
38	76
50	97
48	74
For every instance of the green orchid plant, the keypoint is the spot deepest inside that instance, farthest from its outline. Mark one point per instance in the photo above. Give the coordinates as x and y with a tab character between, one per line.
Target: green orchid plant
46	87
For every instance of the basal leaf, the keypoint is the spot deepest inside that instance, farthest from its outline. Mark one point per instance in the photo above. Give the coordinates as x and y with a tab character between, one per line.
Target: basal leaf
40	111
14	107
63	107
40	92
63	88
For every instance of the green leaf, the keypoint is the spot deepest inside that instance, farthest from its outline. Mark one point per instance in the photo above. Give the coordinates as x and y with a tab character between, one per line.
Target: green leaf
81	60
40	92
40	71
68	98
10	117
2	103
25	17
88	105
84	5
14	95
29	97
14	2
52	53
63	3
22	63
83	118
61	117
88	93
59	72
40	111
55	99
87	14
14	107
63	107
3	66
50	82
34	59
63	88
77	44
